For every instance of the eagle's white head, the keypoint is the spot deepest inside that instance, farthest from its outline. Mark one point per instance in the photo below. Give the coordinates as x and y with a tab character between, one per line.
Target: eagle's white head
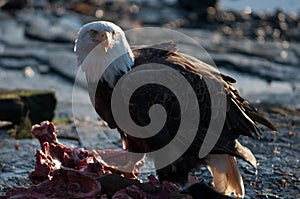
103	51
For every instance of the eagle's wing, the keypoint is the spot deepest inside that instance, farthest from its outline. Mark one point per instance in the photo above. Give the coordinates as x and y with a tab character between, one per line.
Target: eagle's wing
241	117
240	113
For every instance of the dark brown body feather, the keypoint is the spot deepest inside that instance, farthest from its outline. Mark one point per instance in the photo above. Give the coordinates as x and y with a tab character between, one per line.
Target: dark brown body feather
241	117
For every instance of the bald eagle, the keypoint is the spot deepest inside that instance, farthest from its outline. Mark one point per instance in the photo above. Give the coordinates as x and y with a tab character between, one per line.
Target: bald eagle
105	56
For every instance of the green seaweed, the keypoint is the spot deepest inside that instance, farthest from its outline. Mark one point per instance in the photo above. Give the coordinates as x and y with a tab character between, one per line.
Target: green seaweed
63	120
23	130
15	94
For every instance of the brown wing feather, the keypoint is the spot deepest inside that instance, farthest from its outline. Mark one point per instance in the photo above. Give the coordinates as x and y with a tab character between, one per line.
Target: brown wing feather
241	117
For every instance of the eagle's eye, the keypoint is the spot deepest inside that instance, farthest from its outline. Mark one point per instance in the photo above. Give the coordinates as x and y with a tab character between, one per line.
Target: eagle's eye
93	33
102	35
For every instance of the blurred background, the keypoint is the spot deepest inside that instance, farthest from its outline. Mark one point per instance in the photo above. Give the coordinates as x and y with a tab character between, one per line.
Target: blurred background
254	41
250	40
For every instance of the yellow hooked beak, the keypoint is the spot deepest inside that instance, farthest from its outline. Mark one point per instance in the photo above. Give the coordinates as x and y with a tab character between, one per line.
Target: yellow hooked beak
106	37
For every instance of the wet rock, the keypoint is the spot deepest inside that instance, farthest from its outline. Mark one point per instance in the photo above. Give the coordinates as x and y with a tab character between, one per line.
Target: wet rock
13	4
43	68
40	4
64	62
249	56
15	165
12	33
16	104
148	17
83	7
13	63
11	110
47	27
200	7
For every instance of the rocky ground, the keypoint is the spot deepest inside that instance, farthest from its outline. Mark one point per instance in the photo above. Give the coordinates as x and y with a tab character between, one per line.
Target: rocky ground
260	50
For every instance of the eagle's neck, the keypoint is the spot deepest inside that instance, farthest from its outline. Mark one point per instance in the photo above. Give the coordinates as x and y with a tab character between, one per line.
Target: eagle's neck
108	66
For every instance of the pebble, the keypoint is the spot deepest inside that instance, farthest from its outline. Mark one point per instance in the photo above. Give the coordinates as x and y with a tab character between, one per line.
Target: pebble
17	145
283	182
291	133
29	72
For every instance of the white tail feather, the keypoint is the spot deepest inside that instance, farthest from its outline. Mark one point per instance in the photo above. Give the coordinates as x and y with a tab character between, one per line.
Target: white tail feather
226	176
